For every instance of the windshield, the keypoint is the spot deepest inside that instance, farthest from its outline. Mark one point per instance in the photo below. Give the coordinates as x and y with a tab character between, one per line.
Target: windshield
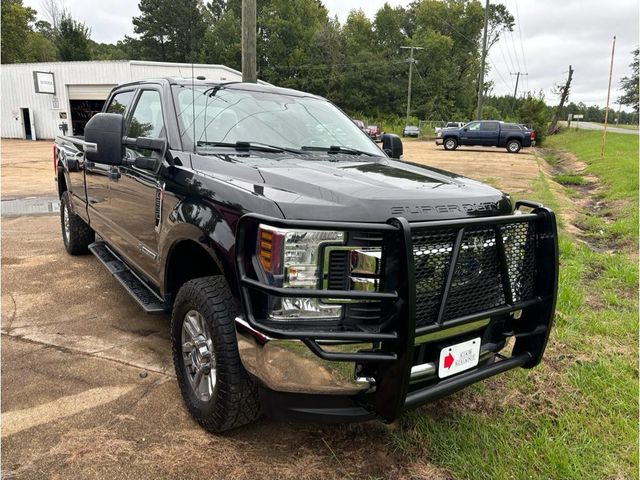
212	115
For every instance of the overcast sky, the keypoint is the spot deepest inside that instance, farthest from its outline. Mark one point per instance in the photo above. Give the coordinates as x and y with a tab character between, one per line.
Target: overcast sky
555	33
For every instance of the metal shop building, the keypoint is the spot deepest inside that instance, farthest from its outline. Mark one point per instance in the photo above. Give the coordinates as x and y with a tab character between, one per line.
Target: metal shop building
42	100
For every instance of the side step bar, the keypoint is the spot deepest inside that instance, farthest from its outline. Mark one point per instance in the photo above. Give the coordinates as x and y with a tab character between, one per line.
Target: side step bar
148	300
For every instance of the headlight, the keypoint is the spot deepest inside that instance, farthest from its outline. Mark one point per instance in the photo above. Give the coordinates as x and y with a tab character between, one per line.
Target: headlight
290	259
439	134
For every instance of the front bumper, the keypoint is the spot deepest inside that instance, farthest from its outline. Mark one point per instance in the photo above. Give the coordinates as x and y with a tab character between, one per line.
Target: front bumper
439	141
355	374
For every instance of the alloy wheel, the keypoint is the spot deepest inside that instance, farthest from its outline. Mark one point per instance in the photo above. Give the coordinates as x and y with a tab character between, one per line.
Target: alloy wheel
197	353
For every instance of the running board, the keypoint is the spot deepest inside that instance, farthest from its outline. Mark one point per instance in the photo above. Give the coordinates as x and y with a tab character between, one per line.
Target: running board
147	299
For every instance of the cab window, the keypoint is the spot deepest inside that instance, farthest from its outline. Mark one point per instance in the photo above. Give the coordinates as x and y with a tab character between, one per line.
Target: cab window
489	126
473	127
146	121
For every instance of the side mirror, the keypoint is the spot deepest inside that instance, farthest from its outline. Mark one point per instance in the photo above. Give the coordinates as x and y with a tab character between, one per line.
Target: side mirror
465	129
106	131
392	145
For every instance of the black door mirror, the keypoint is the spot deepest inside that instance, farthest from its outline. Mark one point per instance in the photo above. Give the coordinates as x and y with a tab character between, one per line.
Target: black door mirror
105	130
465	129
392	145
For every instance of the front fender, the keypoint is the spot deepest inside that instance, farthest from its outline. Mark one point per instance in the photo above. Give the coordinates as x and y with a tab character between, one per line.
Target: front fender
204	225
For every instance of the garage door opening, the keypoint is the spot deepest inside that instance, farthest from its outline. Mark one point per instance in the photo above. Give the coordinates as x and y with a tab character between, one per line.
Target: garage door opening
81	112
84	102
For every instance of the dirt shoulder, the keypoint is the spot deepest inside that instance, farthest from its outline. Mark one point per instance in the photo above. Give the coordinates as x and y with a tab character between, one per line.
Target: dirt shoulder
27	168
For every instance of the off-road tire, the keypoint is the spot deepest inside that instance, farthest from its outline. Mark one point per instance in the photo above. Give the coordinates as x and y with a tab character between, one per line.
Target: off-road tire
234	401
78	236
513	146
450	143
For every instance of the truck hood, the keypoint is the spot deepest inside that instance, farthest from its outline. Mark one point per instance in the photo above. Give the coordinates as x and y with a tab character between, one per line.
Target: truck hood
348	188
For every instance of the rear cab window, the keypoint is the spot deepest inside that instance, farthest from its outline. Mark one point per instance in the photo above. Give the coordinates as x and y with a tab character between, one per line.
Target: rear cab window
489	126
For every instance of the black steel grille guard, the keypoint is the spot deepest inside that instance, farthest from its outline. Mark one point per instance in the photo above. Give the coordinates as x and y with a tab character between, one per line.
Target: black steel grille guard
399	304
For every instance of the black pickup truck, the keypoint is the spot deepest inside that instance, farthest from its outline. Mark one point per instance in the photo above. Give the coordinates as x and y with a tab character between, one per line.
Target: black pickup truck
310	274
488	133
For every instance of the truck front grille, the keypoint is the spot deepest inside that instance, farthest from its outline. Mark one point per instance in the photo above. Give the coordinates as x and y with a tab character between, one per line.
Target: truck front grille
477	284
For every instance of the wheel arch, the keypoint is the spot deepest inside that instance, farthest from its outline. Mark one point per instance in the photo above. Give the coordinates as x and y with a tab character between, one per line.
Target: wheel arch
196	242
188	260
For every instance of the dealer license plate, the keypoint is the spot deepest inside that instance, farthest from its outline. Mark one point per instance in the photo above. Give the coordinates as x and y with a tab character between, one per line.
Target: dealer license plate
458	358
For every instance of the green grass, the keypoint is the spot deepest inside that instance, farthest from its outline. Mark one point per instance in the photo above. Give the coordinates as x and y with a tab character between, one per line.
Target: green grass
570	179
575	416
618	172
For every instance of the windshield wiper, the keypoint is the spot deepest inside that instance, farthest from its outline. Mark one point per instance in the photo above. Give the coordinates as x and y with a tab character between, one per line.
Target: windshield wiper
246	146
338	149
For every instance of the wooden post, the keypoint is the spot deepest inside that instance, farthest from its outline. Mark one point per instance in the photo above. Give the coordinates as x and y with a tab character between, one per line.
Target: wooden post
606	109
249	41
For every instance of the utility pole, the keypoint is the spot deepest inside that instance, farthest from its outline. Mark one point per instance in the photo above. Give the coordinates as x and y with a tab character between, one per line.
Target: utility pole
484	58
606	109
411	62
515	91
249	41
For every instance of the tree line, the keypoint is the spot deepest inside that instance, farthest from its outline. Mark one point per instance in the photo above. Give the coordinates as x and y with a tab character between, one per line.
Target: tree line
358	64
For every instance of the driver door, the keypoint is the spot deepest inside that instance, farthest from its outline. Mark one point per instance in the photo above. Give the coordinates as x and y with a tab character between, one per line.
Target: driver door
470	134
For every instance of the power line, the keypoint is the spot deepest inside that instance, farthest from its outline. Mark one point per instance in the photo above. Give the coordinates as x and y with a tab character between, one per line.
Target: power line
332	65
524	57
462	35
509	66
504	44
515	50
502	77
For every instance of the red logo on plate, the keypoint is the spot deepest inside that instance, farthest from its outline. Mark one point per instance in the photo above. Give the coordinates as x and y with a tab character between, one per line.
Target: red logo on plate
448	361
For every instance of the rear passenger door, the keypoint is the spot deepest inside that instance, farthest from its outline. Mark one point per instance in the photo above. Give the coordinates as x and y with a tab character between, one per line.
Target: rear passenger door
489	133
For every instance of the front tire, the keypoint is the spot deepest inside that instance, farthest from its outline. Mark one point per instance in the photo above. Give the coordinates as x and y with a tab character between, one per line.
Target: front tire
216	388
513	146
76	234
450	144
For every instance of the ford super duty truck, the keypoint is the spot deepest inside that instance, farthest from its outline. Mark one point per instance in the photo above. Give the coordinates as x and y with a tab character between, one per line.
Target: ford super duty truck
488	133
310	274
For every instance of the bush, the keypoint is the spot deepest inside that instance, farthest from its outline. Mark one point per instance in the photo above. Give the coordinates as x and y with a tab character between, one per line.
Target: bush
533	113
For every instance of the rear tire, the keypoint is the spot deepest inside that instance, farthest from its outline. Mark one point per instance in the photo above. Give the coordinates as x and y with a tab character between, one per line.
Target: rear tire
203	336
450	144
76	234
513	146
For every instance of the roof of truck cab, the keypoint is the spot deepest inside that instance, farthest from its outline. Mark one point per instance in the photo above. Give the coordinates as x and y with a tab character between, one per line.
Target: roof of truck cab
254	87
